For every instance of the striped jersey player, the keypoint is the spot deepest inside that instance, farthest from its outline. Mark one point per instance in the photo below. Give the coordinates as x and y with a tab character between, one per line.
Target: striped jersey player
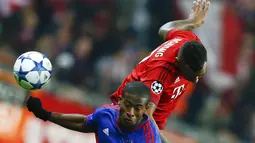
123	123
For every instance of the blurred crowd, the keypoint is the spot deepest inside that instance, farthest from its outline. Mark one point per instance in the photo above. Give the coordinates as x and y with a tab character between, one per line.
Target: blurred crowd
91	43
94	44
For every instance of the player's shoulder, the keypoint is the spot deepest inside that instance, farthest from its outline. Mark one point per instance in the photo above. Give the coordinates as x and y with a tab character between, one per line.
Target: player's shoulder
109	108
147	123
153	126
151	132
165	74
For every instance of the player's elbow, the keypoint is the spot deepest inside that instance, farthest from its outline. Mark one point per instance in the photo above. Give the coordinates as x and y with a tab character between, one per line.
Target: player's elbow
164	29
162	32
87	130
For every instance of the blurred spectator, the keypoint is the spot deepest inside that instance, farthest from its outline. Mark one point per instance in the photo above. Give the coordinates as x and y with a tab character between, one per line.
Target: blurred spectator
45	13
73	64
160	13
45	44
243	115
26	39
112	70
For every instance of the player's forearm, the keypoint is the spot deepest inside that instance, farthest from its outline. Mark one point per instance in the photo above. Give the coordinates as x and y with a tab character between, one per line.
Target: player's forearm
187	24
74	118
69	121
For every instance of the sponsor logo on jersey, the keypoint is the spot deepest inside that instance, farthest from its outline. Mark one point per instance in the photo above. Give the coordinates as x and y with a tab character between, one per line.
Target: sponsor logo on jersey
106	131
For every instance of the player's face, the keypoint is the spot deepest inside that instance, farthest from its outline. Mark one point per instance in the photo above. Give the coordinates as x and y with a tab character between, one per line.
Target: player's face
189	74
132	109
201	73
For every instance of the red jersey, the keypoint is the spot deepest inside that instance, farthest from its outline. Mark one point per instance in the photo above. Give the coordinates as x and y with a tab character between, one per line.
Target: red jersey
158	72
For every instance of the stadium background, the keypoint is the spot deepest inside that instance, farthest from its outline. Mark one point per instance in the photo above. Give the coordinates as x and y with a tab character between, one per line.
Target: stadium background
93	45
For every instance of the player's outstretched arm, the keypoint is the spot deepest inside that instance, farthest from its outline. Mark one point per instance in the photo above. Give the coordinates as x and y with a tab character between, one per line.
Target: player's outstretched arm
195	19
70	121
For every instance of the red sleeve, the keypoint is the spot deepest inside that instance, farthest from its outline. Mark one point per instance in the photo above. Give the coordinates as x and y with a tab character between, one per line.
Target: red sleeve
156	81
156	90
181	34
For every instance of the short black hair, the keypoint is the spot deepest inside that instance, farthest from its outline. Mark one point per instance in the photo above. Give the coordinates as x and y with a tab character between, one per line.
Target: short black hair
137	88
194	54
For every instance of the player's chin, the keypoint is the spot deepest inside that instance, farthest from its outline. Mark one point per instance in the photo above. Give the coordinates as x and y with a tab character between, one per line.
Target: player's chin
189	75
128	122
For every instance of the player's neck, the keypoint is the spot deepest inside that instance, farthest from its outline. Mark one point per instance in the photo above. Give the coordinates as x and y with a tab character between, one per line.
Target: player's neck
176	66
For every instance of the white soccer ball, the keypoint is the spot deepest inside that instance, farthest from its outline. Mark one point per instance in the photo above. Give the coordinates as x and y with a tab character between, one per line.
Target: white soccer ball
32	70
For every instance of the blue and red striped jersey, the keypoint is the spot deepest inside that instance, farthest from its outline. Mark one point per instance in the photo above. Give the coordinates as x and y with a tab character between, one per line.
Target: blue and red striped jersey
104	123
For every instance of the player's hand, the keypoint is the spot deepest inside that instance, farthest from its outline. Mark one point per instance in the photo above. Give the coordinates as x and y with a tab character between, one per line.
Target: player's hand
34	105
199	11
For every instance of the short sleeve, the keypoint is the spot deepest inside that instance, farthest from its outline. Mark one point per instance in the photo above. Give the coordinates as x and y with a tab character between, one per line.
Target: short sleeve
156	90
156	81
92	120
181	34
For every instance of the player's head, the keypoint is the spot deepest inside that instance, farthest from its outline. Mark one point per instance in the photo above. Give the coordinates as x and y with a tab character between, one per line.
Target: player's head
133	104
192	59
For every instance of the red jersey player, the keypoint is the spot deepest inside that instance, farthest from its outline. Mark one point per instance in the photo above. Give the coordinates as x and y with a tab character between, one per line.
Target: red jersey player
171	67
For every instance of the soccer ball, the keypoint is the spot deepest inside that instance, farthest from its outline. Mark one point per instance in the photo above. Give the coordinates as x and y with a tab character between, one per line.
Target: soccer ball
32	70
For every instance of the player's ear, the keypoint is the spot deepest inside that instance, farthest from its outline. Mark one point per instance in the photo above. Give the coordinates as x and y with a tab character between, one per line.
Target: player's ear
177	61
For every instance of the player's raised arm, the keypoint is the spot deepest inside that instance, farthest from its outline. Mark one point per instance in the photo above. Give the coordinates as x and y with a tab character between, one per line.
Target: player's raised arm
70	121
195	19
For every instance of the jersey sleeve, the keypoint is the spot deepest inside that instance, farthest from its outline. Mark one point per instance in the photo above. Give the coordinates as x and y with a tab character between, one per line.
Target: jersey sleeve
181	34
156	81
92	120
156	88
